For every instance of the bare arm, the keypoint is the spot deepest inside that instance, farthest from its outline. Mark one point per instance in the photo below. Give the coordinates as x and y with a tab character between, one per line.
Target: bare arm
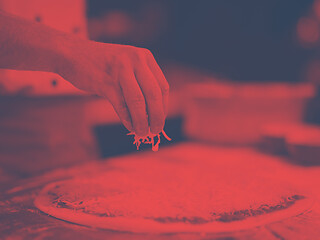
127	76
25	45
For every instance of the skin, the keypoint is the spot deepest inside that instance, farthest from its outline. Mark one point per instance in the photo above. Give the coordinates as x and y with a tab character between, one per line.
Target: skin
129	77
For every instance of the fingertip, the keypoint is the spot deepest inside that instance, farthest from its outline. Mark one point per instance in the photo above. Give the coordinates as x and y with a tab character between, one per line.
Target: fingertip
156	131
128	125
140	123
157	128
141	132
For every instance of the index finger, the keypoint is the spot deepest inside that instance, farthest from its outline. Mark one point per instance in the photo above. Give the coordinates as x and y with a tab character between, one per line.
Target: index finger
163	83
152	93
135	102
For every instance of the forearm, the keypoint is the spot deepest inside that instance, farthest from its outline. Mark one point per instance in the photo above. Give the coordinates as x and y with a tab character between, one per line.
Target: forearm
25	45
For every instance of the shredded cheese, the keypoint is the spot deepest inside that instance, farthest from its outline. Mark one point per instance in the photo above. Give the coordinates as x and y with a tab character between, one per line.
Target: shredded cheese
149	139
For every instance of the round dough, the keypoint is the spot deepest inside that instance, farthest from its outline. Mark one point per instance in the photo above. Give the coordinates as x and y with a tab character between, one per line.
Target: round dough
189	195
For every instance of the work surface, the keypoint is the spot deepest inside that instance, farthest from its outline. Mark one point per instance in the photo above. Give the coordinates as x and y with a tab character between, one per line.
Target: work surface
20	219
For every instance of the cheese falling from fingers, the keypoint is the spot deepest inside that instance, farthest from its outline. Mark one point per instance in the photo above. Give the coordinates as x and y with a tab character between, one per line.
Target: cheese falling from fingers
153	139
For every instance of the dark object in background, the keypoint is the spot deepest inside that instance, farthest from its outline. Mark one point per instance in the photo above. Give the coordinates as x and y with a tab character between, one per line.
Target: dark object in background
304	154
312	112
242	40
113	140
245	40
273	145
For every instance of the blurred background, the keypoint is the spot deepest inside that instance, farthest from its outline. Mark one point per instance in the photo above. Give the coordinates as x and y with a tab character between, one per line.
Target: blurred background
241	40
241	73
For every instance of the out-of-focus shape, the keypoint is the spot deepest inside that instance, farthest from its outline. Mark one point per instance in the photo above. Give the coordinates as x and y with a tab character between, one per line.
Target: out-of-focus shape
316	8
140	25
304	145
312	72
300	142
273	137
234	113
308	31
114	24
40	135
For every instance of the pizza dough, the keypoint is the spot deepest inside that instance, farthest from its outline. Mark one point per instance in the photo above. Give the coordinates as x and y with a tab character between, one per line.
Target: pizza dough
155	193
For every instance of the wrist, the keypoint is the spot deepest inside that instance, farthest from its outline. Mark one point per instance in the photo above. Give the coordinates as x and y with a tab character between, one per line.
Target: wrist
61	54
67	49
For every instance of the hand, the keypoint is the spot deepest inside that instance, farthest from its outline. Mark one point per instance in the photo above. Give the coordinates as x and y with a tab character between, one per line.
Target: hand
127	76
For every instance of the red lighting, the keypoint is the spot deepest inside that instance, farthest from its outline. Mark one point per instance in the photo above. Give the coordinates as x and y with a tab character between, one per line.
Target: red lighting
307	31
